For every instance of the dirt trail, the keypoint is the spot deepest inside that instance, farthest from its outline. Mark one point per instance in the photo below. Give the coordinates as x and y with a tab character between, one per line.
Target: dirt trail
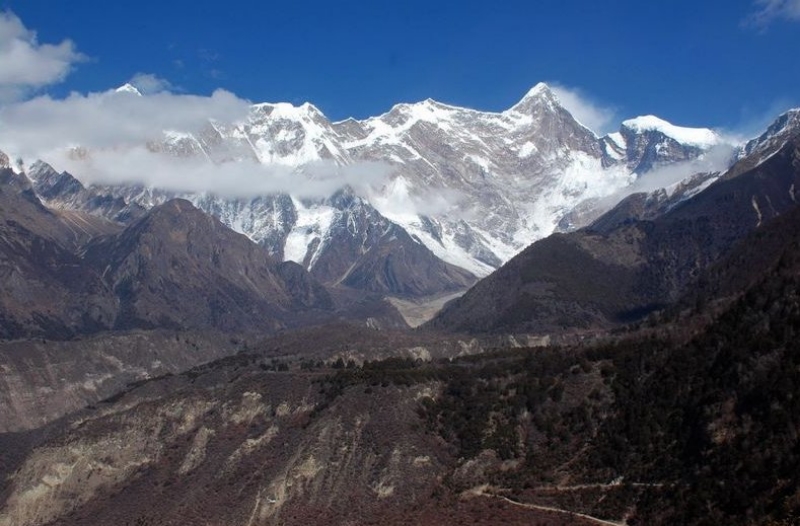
483	493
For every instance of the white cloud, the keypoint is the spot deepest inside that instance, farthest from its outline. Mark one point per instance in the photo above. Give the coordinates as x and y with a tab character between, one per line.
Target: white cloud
395	198
234	179
108	120
25	63
594	116
769	10
114	129
717	159
148	84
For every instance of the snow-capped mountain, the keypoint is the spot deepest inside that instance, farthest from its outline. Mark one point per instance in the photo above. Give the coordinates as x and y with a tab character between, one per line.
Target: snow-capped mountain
647	252
471	188
649	142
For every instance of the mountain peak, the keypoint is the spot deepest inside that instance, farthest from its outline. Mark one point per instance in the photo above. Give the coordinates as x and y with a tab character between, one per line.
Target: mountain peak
174	212
786	122
781	129
431	102
176	206
411	107
646	122
539	90
288	110
310	108
128	88
40	169
700	137
539	95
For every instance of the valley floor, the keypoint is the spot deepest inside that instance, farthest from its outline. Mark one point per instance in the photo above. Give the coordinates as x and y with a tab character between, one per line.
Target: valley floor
420	310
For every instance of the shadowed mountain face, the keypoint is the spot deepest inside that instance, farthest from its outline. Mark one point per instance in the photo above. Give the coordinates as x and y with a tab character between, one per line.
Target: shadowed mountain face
45	289
359	242
174	289
774	247
367	252
180	268
67	273
621	267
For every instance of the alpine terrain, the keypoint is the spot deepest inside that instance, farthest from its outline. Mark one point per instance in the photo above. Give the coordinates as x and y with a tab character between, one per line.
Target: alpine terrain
440	195
626	352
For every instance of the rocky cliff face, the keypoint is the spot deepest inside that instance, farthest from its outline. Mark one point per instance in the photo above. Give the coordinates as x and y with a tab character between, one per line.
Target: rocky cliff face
236	443
265	437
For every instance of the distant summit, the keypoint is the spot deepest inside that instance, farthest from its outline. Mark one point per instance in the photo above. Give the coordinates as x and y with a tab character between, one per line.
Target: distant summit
128	88
700	137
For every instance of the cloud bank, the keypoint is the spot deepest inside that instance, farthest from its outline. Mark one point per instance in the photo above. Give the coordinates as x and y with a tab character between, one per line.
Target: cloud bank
232	179
112	131
105	137
108	120
717	159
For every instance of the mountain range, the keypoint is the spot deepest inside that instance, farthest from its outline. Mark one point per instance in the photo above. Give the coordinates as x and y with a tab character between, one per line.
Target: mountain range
460	190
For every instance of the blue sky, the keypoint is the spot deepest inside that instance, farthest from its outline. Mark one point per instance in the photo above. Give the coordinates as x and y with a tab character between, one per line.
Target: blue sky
726	64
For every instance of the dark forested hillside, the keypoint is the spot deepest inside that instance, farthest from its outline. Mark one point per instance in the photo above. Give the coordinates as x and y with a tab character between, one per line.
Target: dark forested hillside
701	432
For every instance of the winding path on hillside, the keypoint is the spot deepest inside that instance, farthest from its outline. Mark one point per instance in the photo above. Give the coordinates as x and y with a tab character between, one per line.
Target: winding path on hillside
482	492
